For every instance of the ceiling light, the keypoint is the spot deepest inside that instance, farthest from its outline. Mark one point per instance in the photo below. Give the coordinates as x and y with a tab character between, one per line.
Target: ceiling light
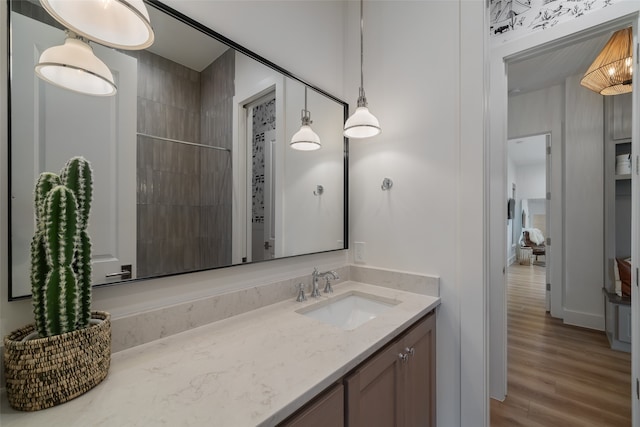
361	124
73	66
611	72
122	24
305	139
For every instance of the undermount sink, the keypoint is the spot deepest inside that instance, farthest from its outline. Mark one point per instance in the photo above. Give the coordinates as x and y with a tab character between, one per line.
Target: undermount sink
350	310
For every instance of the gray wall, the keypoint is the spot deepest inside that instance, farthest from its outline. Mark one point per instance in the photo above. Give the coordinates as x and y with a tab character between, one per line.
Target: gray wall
184	191
217	91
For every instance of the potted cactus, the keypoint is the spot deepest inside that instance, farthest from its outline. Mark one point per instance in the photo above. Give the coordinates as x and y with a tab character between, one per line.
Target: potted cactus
67	351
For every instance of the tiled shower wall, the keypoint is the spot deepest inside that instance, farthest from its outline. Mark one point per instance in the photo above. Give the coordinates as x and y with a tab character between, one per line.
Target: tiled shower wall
217	91
183	191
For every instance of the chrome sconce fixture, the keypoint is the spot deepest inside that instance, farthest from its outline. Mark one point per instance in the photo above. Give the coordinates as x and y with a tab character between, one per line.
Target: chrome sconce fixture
361	124
305	139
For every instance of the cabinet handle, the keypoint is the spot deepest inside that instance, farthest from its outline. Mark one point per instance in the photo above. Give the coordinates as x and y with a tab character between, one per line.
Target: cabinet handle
403	357
411	351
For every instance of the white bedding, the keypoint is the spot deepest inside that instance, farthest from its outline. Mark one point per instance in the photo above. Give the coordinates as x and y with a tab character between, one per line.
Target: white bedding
535	235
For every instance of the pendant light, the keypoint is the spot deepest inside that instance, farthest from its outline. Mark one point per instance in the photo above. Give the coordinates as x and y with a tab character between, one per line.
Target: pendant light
305	139
611	72
121	24
73	66
361	124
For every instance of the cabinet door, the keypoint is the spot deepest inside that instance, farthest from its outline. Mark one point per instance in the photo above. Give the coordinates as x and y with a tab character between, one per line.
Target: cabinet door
373	391
327	411
418	375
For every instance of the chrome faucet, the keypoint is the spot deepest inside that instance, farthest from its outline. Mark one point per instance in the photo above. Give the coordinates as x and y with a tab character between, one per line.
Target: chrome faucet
327	287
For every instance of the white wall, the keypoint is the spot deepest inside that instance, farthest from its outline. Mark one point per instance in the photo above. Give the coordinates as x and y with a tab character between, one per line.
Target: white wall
584	206
431	220
532	181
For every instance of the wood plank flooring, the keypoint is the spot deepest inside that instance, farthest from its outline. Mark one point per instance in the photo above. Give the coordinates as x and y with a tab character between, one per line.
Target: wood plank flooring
558	375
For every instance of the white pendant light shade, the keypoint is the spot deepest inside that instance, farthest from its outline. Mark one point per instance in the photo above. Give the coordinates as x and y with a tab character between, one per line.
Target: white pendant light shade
305	139
122	24
361	124
73	66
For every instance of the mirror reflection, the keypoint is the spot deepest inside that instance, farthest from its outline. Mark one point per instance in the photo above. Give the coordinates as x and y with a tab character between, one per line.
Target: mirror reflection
191	157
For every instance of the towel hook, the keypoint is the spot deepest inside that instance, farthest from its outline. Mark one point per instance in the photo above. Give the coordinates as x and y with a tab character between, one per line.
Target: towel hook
319	190
387	183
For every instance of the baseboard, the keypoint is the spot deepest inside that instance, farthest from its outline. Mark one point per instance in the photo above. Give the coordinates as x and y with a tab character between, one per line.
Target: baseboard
584	320
512	259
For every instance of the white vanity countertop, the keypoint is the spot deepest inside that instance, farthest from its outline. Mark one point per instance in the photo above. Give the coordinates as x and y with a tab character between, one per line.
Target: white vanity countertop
252	369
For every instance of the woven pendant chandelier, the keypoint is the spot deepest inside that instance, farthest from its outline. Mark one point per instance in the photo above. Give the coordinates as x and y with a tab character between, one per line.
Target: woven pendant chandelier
611	72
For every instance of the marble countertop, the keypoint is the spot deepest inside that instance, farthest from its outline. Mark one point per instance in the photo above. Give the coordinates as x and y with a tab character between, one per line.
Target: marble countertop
254	369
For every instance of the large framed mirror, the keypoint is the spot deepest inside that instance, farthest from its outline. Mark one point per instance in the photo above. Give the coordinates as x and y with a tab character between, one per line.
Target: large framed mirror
191	158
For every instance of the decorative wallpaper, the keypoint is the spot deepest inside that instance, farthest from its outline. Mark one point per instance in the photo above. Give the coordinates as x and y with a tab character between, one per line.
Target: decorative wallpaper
511	19
264	119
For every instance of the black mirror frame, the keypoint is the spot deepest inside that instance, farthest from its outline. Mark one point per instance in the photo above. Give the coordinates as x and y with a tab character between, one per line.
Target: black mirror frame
211	33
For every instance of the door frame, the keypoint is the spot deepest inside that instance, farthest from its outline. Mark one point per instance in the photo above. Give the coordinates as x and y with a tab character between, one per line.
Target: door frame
615	16
240	251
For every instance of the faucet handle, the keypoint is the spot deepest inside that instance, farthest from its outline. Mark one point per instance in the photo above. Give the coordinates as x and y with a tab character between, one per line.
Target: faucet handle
327	286
301	296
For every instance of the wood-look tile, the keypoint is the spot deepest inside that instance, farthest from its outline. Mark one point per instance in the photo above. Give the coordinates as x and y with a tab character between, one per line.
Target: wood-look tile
558	375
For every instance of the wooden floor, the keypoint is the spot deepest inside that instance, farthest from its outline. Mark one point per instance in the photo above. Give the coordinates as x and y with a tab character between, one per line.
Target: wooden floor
558	375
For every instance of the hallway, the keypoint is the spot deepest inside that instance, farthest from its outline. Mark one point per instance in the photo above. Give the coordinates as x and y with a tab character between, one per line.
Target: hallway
558	375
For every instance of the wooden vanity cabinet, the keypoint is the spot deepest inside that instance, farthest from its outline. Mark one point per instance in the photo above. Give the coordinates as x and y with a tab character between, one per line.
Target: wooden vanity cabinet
326	411
397	386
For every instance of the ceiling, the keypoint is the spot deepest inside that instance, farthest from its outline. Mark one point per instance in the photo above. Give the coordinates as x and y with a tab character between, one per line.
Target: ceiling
181	43
554	66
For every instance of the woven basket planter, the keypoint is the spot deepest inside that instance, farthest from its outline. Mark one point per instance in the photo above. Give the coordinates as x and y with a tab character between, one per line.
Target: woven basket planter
44	372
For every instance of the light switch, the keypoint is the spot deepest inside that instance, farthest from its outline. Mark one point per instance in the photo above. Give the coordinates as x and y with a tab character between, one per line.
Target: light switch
360	252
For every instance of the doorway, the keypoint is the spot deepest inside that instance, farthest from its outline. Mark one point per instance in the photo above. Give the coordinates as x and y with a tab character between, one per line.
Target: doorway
261	141
499	107
528	166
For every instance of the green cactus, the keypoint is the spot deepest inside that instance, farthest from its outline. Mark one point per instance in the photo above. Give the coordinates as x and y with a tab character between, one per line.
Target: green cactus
61	250
78	177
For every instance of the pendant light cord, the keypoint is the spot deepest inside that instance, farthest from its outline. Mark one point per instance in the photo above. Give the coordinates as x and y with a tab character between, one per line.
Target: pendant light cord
362	99
361	47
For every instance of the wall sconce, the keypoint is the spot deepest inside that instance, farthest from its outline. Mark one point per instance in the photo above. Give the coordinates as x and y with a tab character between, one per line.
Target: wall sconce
122	24
73	66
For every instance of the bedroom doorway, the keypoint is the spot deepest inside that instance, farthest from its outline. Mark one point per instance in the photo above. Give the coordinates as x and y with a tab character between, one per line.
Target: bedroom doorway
528	216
